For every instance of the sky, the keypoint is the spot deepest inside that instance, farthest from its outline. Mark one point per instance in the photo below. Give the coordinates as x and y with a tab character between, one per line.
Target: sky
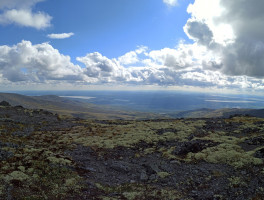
192	45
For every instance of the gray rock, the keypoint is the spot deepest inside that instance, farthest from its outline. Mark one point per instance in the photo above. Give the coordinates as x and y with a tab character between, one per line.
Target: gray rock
143	176
153	177
121	166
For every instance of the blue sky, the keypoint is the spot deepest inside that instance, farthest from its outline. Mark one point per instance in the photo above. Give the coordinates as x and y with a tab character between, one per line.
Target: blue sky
110	27
194	45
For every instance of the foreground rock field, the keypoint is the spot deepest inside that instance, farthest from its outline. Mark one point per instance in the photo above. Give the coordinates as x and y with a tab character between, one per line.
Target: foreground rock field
46	156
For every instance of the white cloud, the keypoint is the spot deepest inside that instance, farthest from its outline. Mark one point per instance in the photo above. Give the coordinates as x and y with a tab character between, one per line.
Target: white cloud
179	67
181	57
26	18
132	56
10	4
170	2
172	58
60	35
103	68
129	58
17	3
20	13
36	63
232	30
207	12
199	32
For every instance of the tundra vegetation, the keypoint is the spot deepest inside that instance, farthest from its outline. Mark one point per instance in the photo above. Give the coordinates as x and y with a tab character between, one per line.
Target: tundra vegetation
47	156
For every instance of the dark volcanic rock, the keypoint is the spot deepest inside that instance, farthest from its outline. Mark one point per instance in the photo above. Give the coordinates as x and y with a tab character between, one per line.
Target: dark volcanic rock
197	181
5	154
259	153
165	130
255	141
193	146
4	103
252	143
220	125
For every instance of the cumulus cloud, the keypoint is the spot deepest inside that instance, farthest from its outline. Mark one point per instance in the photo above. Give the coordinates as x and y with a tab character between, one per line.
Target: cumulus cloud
60	35
185	65
181	66
37	63
205	78
233	31
103	68
170	2
132	57
20	13
181	57
199	32
172	58
129	58
25	18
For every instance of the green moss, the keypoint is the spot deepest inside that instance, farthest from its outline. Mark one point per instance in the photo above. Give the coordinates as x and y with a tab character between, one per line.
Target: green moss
224	153
163	174
167	152
132	195
22	168
139	191
149	151
61	161
55	180
110	136
17	175
235	181
71	182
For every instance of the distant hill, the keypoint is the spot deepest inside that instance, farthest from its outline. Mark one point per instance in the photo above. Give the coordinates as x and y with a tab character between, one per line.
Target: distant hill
213	113
73	107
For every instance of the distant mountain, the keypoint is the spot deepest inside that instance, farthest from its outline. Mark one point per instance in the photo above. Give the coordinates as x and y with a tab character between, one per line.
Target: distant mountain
73	107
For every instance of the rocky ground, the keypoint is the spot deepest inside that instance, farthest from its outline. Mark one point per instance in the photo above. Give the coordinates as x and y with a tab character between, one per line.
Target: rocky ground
47	156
